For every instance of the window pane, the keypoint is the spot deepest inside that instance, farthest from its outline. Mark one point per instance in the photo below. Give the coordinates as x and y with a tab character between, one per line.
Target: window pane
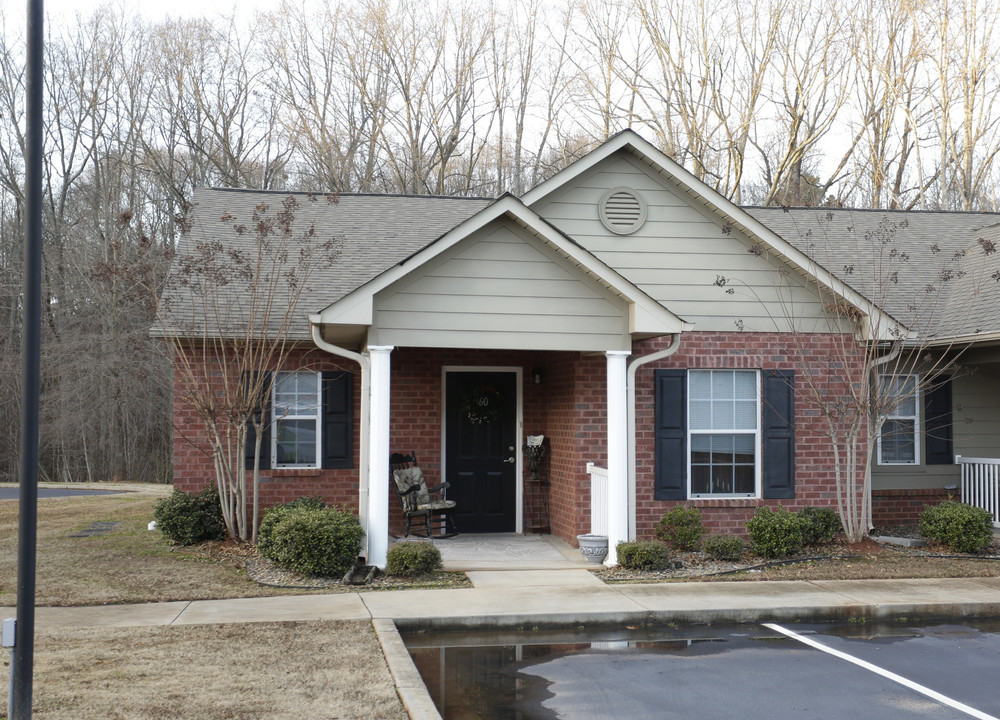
907	407
746	386
722	415
722	479
745	415
744	479
722	449
743	449
722	384
701	446
701	415
897	441
700	382
700	480
296	393
296	442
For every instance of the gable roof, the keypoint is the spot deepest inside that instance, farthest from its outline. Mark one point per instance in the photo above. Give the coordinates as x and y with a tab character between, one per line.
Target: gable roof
965	305
728	213
646	316
373	231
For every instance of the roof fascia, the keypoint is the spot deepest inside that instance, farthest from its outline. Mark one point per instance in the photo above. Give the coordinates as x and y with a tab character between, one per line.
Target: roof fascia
631	141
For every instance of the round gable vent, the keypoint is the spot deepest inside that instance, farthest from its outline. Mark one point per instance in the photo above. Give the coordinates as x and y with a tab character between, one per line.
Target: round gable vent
622	210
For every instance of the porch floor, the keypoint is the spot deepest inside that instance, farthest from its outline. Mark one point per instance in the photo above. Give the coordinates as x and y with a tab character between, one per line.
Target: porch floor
508	551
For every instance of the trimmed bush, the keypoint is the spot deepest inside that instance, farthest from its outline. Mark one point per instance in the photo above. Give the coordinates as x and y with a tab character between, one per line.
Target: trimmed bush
192	518
643	555
313	540
823	524
961	527
681	528
274	514
411	558
728	548
776	533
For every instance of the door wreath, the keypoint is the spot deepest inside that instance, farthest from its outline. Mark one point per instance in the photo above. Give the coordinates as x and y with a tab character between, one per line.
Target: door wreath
481	405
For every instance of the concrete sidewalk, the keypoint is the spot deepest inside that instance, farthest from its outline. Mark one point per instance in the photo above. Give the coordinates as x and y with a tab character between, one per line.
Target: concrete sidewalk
538	598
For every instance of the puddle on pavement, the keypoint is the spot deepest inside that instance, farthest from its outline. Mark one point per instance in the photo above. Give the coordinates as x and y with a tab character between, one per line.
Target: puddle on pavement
509	675
492	675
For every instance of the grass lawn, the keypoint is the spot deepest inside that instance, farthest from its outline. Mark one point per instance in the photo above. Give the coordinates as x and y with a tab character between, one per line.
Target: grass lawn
293	670
130	564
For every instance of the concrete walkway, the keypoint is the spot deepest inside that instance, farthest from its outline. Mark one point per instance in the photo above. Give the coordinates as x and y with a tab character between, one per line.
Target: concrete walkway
515	598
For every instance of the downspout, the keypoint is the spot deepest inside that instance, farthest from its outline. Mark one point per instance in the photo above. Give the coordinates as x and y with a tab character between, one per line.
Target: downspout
633	366
875	364
362	360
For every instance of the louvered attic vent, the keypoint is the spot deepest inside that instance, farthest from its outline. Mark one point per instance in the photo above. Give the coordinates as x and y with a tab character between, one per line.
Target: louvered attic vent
622	210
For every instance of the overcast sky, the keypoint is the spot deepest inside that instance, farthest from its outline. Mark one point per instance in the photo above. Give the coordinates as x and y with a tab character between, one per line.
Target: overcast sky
58	10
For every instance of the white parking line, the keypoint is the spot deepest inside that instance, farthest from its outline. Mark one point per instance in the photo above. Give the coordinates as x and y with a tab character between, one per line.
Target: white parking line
884	673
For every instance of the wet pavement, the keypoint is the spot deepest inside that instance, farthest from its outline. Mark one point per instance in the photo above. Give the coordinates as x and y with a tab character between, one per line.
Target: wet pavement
890	671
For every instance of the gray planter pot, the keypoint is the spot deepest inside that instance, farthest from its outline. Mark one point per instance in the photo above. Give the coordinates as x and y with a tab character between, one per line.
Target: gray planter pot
593	547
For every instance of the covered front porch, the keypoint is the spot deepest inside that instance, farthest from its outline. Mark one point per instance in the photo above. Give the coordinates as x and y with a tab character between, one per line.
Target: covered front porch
508	316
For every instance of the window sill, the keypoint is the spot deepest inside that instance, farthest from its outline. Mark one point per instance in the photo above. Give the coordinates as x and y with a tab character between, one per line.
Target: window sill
724	502
291	472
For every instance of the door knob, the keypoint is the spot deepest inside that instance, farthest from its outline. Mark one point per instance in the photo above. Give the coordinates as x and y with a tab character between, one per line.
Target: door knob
510	460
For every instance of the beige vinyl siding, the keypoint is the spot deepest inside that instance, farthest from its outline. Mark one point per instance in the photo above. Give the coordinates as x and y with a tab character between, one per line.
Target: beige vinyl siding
975	431
501	288
677	256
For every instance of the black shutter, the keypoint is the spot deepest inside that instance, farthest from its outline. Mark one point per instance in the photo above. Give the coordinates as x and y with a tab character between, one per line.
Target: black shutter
937	423
778	434
261	414
338	420
671	435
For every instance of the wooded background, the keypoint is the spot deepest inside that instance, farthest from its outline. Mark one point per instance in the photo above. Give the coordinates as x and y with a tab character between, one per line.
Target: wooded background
871	104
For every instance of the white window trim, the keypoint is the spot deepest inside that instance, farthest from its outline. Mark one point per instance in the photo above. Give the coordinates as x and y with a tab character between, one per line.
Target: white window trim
755	433
896	416
317	416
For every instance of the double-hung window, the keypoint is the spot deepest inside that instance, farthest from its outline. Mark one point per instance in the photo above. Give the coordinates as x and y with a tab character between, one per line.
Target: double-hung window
297	411
899	441
724	433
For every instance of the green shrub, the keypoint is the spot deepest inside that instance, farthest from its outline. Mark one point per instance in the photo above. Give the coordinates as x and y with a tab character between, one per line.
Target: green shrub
961	527
681	528
411	558
643	555
187	519
274	514
312	540
728	548
776	533
823	524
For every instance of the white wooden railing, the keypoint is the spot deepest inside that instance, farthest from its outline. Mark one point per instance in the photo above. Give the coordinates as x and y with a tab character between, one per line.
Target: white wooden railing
981	484
598	499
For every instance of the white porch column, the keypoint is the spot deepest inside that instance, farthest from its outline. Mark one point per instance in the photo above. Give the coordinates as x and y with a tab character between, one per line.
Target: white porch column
617	454
378	456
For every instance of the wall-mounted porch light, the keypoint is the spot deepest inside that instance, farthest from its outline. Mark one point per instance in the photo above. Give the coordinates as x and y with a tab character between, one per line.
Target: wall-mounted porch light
536	375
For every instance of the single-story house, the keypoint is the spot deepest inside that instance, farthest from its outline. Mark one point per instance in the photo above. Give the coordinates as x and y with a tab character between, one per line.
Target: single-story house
636	318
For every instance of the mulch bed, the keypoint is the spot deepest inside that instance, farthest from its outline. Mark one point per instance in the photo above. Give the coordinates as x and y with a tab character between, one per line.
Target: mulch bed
697	565
265	572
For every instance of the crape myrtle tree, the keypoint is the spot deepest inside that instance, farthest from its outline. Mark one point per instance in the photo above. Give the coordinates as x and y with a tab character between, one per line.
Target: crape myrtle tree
245	293
885	352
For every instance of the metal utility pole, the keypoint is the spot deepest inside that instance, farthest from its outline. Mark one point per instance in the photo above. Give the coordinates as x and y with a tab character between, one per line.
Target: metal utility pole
27	530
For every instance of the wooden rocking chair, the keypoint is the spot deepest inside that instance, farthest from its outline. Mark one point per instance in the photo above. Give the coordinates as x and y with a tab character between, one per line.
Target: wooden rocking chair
416	500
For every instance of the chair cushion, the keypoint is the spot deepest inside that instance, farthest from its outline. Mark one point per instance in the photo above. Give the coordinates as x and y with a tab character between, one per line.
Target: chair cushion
405	479
437	505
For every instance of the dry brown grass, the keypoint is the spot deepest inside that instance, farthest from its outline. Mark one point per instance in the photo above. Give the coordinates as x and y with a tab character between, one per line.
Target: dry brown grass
262	670
128	565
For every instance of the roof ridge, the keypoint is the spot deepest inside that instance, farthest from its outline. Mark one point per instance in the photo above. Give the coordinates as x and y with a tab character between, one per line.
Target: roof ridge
307	193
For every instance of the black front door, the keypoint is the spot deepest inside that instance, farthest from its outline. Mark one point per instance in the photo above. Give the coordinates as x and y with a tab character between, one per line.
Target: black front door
481	449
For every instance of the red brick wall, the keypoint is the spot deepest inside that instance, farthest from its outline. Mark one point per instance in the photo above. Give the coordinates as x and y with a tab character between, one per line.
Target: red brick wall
569	408
814	472
903	507
193	468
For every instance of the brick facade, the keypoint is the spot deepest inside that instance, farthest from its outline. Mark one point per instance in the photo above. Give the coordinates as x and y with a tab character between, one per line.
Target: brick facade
569	408
903	507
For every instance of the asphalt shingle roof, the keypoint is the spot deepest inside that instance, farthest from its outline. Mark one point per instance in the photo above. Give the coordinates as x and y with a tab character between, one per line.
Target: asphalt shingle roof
372	233
944	285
